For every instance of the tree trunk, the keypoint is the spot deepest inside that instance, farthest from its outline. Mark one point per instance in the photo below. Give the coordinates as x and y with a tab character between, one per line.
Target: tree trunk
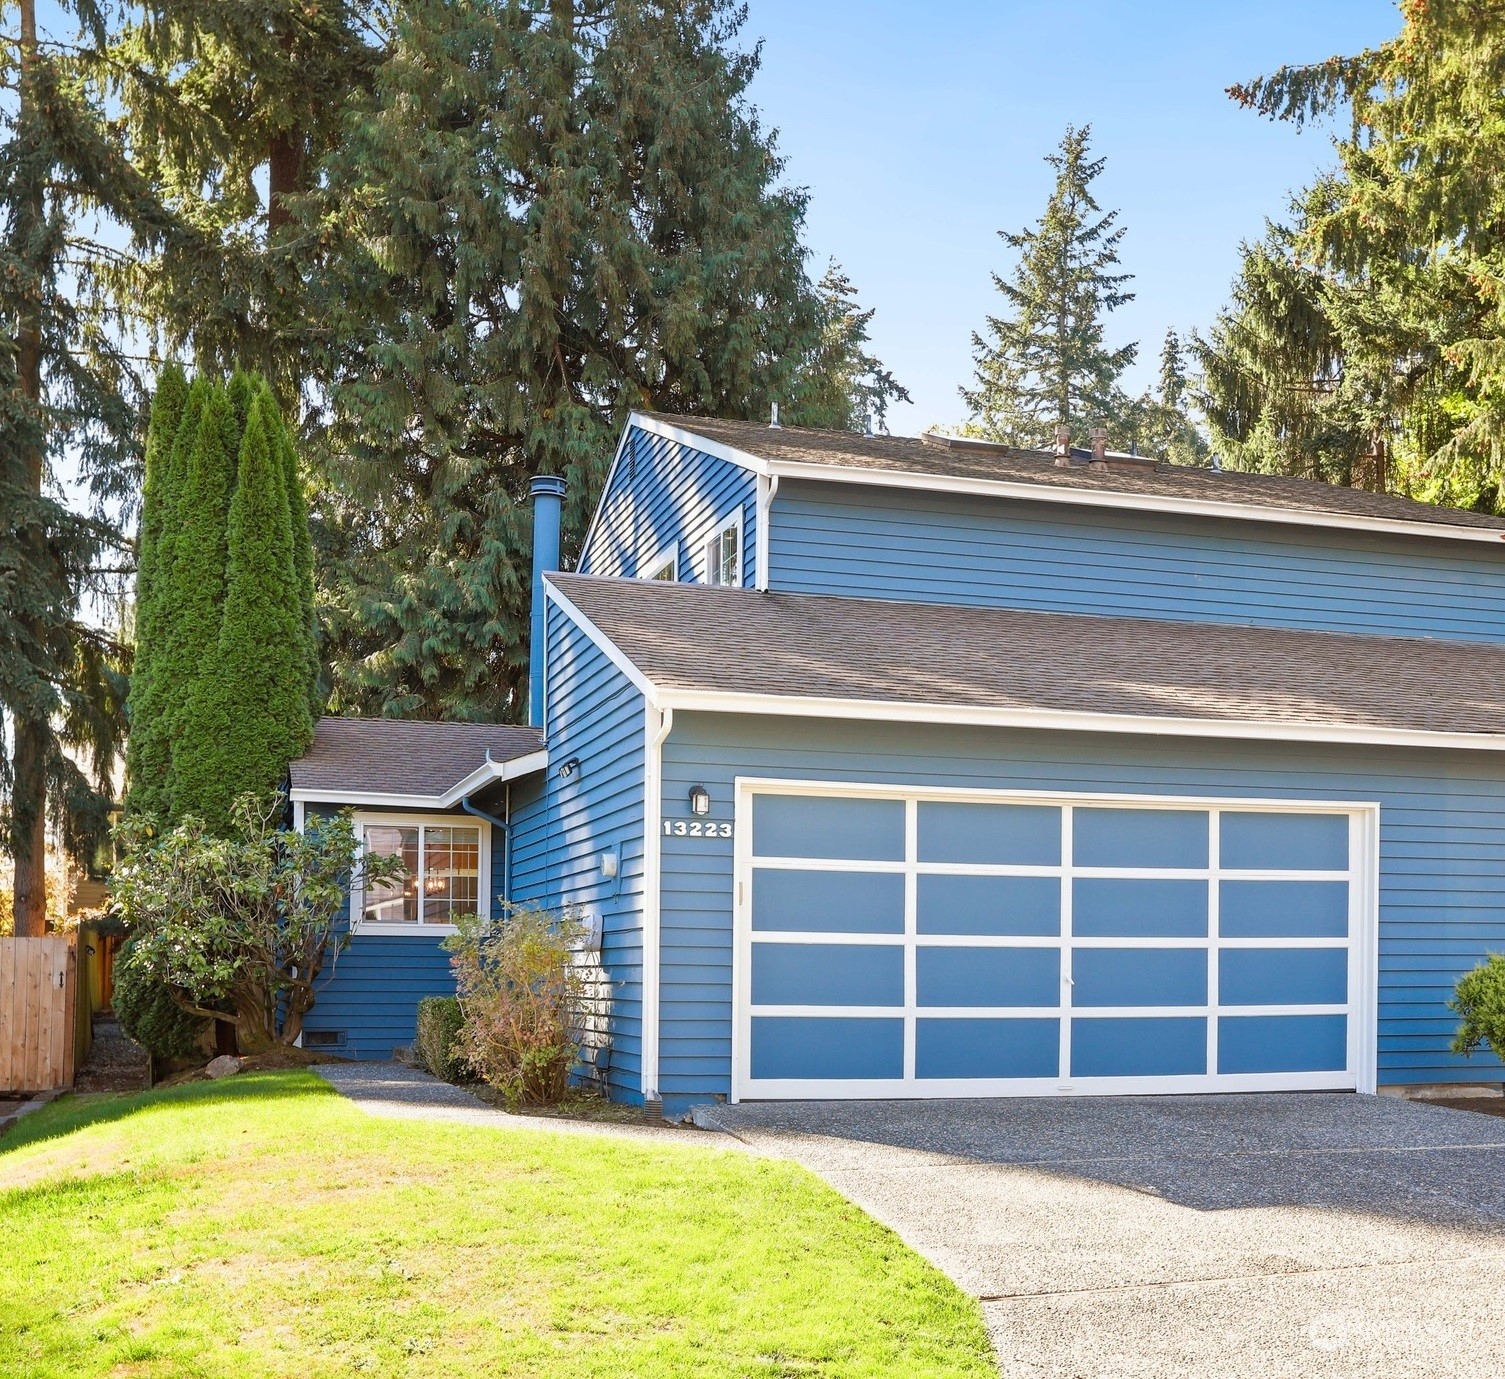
29	790
285	170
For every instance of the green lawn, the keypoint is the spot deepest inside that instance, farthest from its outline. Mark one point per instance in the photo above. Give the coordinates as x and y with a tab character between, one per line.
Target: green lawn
265	1226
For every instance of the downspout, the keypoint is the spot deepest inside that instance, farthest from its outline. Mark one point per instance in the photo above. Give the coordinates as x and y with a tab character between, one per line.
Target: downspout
504	826
653	789
768	488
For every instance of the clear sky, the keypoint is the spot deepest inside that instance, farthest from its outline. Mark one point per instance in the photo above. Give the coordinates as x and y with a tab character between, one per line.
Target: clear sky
920	129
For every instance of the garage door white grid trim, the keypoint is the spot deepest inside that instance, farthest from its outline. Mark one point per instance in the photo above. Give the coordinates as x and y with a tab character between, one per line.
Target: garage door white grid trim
1361	941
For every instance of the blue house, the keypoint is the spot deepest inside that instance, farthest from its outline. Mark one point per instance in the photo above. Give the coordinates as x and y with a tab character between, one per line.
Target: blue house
912	768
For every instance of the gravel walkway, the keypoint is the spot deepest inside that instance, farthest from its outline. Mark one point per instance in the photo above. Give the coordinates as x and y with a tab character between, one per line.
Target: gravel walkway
1226	1237
398	1092
116	1063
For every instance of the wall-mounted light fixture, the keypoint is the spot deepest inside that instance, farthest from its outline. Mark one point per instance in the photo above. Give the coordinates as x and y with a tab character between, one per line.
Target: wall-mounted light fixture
568	768
700	800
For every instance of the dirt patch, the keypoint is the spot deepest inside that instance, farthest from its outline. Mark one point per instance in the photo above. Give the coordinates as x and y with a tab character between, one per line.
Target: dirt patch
1484	1105
585	1106
277	1059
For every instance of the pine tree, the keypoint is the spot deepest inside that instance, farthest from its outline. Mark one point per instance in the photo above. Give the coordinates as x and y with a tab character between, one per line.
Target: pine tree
841	386
66	391
248	717
148	753
587	219
1046	363
1159	424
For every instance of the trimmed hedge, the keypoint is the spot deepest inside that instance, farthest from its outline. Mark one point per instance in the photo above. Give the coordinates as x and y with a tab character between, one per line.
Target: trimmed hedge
148	1013
439	1022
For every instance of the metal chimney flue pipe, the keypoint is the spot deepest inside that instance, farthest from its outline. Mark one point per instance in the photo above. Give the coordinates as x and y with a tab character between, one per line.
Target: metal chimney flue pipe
547	491
1099	447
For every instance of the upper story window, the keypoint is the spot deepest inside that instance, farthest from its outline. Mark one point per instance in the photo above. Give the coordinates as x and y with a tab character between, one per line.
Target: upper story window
665	565
444	862
723	552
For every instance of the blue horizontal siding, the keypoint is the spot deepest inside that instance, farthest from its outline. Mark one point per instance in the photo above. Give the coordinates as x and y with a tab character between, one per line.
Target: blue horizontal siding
1442	833
371	989
562	825
942	548
662	491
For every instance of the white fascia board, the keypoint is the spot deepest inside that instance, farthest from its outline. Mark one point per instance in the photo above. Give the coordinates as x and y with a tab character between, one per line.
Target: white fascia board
611	473
719	449
494	771
1112	498
482	776
609	648
1055	720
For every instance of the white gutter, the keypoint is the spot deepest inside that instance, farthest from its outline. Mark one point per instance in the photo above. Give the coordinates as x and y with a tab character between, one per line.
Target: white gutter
657	726
482	776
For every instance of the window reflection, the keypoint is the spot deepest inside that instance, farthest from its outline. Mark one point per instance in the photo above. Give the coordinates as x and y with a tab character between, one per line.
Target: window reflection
443	874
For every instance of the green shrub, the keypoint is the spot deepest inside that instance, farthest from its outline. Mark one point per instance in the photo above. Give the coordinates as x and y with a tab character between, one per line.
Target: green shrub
523	995
438	1045
1479	1000
147	1012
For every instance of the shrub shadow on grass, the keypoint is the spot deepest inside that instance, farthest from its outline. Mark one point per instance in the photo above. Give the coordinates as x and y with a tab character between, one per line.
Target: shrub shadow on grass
69	1113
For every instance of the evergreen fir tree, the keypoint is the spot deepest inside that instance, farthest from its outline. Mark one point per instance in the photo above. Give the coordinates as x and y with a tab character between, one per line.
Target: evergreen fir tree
248	718
587	219
841	386
147	752
1046	362
67	392
1159	424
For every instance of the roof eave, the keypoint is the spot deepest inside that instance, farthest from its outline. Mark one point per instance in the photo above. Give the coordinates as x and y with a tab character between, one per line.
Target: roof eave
491	773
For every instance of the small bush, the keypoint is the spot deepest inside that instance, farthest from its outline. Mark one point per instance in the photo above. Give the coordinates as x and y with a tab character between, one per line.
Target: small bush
148	1013
523	996
438	1046
1479	1000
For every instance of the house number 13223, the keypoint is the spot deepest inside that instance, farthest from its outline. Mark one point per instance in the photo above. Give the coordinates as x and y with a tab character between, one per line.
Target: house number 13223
695	828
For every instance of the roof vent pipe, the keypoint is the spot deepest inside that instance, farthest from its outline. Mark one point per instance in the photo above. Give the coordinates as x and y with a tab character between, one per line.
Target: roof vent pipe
1099	447
867	423
1063	445
773	424
548	499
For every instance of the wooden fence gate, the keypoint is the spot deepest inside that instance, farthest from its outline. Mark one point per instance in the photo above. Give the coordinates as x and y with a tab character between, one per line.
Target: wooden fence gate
38	991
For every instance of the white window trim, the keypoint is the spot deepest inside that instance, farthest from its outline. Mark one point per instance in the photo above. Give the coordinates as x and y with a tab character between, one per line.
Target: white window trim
701	559
668	555
1362	1007
419	929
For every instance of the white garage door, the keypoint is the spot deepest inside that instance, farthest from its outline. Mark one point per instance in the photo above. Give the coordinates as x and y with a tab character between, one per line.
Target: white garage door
900	944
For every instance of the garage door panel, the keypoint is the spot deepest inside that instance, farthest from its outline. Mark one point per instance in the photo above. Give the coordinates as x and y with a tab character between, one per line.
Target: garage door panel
826	1048
1283	976
1113	837
1139	977
827	974
985	1048
996	905
827	902
836	828
989	834
1283	909
1156	1046
978	977
1267	841
1282	1044
902	943
1138	907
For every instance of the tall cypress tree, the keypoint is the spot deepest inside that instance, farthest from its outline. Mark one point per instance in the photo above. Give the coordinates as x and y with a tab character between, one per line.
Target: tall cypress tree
281	437
1046	362
248	717
148	753
195	593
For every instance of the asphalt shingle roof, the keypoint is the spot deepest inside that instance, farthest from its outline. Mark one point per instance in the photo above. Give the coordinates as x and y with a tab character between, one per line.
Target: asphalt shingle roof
694	637
404	756
908	455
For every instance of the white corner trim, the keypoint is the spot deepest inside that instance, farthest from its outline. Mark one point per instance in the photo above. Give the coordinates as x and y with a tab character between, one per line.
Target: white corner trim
685	436
611	474
768	489
1055	720
1118	498
608	648
657	725
700	563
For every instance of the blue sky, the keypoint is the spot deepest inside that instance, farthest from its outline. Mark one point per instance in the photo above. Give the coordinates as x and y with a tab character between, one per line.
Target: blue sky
920	129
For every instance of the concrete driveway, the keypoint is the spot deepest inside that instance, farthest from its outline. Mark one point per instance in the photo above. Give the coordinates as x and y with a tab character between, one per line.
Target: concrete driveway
1269	1235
